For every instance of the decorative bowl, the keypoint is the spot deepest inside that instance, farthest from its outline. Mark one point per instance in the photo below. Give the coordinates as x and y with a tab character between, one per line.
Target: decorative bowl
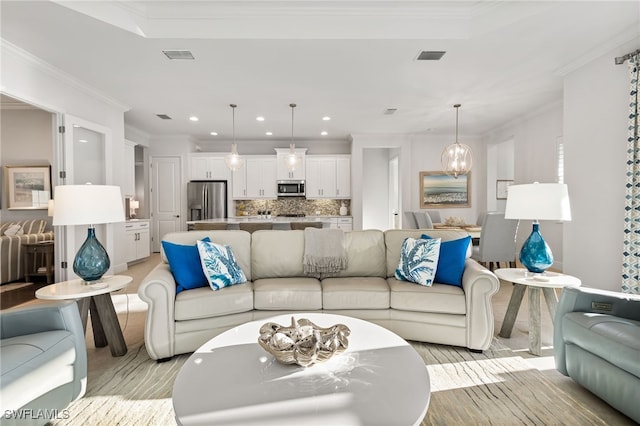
303	343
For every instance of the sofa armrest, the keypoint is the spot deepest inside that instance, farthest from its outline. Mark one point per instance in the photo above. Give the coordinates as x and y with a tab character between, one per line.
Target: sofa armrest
582	299
479	285
50	316
158	290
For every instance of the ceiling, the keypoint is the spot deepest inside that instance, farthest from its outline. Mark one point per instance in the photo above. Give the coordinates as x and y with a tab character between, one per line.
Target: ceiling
349	60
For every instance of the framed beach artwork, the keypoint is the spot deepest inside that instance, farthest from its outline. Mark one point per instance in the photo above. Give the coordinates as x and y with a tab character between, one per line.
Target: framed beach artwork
27	187
439	190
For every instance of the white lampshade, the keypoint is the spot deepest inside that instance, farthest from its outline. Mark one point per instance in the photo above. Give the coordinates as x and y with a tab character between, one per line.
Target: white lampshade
87	205
538	201
50	208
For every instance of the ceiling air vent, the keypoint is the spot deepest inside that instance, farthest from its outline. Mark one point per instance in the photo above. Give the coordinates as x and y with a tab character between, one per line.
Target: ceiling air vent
178	54
164	116
390	111
430	55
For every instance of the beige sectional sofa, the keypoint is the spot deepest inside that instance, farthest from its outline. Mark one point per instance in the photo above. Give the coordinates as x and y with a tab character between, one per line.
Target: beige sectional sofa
273	264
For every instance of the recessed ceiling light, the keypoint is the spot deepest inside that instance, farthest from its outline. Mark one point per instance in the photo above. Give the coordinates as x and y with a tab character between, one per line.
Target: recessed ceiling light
193	118
324	133
326	118
260	118
269	133
214	133
83	140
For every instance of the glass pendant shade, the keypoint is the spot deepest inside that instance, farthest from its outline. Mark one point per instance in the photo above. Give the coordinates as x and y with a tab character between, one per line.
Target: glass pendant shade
456	159
92	260
292	159
535	254
233	160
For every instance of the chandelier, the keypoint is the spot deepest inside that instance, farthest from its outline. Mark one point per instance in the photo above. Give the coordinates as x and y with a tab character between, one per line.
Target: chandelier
292	160
456	158
233	160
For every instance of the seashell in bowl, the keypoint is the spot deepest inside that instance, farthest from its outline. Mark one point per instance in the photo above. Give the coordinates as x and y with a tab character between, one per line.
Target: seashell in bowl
303	343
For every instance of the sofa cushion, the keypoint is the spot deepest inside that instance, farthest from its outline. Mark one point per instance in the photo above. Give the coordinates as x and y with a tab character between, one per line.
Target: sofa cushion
439	298
204	303
277	254
418	260
355	293
13	229
219	265
365	254
614	339
297	293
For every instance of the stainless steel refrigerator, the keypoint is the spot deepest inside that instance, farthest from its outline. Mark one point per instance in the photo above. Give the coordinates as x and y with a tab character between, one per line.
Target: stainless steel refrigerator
207	199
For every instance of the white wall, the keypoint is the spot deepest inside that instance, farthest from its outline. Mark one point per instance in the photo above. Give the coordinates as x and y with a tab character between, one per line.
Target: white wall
375	195
596	99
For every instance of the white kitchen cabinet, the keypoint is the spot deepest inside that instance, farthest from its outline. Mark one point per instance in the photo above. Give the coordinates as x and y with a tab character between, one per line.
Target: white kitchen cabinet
208	167
328	176
129	170
345	223
137	240
283	172
257	179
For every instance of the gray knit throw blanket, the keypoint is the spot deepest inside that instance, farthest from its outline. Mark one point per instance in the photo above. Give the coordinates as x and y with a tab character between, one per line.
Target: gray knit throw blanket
324	252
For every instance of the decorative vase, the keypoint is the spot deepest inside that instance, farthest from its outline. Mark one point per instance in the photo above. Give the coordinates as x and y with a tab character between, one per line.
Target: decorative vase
535	254
92	260
343	209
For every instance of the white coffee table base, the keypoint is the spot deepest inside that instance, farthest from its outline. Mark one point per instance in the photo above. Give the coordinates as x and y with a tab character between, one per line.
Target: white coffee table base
379	379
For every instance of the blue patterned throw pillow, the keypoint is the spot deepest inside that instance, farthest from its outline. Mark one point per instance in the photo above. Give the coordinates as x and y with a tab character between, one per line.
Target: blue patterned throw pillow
219	265
418	260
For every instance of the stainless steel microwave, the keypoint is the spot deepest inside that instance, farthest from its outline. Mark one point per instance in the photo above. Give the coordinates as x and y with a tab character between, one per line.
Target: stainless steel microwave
291	188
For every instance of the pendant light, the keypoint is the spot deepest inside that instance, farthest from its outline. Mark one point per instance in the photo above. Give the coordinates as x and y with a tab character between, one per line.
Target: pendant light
233	160
292	160
456	158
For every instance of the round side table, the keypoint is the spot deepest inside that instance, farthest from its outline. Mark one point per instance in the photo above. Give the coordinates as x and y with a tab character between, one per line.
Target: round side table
97	300
523	279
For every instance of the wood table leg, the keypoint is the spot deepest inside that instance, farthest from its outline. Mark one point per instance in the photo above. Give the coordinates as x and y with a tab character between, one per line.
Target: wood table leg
512	310
83	308
99	337
110	323
552	302
534	321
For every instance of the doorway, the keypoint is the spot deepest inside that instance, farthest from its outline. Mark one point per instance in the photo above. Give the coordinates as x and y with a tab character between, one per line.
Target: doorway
166	198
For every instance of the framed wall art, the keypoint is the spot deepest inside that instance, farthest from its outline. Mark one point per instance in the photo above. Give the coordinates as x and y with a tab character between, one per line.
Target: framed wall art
502	188
27	187
439	190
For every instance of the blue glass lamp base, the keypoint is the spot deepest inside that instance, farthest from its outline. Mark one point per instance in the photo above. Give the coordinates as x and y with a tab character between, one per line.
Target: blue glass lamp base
535	254
92	260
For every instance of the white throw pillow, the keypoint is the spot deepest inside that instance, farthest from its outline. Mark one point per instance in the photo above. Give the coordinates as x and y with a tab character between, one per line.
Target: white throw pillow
418	260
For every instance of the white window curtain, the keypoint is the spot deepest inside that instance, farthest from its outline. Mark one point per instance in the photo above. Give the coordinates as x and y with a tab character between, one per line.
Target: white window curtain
631	249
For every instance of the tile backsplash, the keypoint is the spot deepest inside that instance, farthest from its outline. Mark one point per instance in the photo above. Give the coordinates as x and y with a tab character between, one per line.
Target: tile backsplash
283	206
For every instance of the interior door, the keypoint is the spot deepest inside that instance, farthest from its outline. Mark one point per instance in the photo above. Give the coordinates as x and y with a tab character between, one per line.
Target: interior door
166	196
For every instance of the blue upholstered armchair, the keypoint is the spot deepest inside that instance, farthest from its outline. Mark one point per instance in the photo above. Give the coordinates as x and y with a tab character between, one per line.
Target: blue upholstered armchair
43	362
597	343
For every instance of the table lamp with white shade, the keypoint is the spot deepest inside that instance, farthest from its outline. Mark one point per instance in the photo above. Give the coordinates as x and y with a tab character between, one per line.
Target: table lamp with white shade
537	201
89	205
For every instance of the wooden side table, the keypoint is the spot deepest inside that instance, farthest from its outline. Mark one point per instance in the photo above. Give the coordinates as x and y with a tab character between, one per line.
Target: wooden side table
523	280
94	299
38	260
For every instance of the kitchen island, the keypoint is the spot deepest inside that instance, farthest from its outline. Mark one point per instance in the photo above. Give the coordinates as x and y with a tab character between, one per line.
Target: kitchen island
280	222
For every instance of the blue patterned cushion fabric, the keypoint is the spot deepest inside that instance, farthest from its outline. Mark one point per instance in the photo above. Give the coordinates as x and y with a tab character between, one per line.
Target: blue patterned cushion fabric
418	260
451	260
184	262
219	265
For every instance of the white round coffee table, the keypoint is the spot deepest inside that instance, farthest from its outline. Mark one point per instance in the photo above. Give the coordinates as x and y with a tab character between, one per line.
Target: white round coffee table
379	379
97	299
523	279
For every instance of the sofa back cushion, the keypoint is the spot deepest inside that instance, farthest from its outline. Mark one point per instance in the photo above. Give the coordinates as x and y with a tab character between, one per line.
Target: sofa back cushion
239	241
394	238
277	254
29	226
365	254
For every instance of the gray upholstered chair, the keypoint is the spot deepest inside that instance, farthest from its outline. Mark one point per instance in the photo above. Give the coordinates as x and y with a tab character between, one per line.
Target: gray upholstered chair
596	342
302	225
435	216
497	241
252	227
44	359
423	220
209	226
409	221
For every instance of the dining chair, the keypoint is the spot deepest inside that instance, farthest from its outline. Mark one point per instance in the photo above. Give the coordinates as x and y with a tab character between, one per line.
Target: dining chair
302	225
204	226
435	216
252	227
409	221
423	220
497	241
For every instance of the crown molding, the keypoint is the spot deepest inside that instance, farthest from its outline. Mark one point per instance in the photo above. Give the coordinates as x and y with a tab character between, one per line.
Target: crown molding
58	74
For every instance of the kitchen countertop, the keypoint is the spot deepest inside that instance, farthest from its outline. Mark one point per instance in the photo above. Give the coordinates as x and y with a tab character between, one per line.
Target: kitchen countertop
239	219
